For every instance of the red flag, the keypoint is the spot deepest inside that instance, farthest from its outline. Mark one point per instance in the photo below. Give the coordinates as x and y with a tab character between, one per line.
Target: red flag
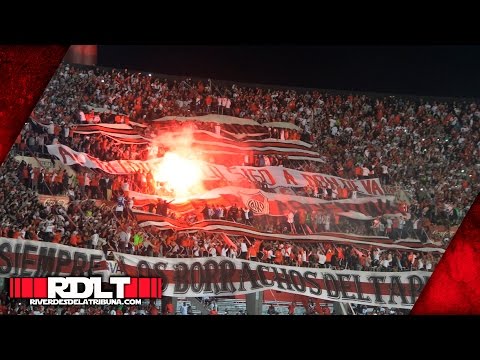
228	241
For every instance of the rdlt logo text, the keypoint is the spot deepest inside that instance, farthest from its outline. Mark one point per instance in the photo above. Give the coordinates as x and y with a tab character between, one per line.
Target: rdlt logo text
85	291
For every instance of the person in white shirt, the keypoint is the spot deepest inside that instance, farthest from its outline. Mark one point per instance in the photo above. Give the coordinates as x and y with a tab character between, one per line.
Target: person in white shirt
224	251
401	225
428	265
270	255
334	193
334	131
388	229
95	238
212	251
290	217
232	253
354	194
51	128
365	172
211	212
420	264
385	264
87	181
384	176
66	130
267	160
321	259
125	186
247	218
326	222
83	119
184	309
196	251
244	249
376	256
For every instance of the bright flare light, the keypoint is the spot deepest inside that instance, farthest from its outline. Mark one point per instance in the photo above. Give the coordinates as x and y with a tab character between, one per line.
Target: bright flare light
183	176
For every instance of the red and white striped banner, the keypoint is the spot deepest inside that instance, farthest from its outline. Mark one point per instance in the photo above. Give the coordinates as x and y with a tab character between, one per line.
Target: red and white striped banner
119	129
231	228
209	143
273	204
120	167
231	127
206	142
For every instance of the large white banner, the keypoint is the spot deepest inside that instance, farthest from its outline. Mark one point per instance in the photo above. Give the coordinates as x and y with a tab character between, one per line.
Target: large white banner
27	258
273	176
218	276
71	157
221	276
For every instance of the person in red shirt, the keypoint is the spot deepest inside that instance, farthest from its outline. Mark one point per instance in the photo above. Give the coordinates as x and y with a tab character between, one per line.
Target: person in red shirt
25	176
208	102
153	310
169	310
3	309
74	239
291	309
16	234
81	182
278	257
57	237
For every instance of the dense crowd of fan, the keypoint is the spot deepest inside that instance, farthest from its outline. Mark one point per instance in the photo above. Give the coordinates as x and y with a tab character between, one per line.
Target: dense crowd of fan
429	148
426	148
378	147
83	223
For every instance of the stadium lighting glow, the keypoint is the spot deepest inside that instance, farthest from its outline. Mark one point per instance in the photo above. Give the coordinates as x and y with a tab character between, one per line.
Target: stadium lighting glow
149	74
181	175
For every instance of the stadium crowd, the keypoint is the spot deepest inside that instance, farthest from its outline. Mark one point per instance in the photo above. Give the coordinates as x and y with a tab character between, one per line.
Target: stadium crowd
429	148
426	148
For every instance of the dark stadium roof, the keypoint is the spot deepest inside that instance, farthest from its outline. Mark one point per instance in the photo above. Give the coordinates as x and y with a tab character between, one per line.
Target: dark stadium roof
450	71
